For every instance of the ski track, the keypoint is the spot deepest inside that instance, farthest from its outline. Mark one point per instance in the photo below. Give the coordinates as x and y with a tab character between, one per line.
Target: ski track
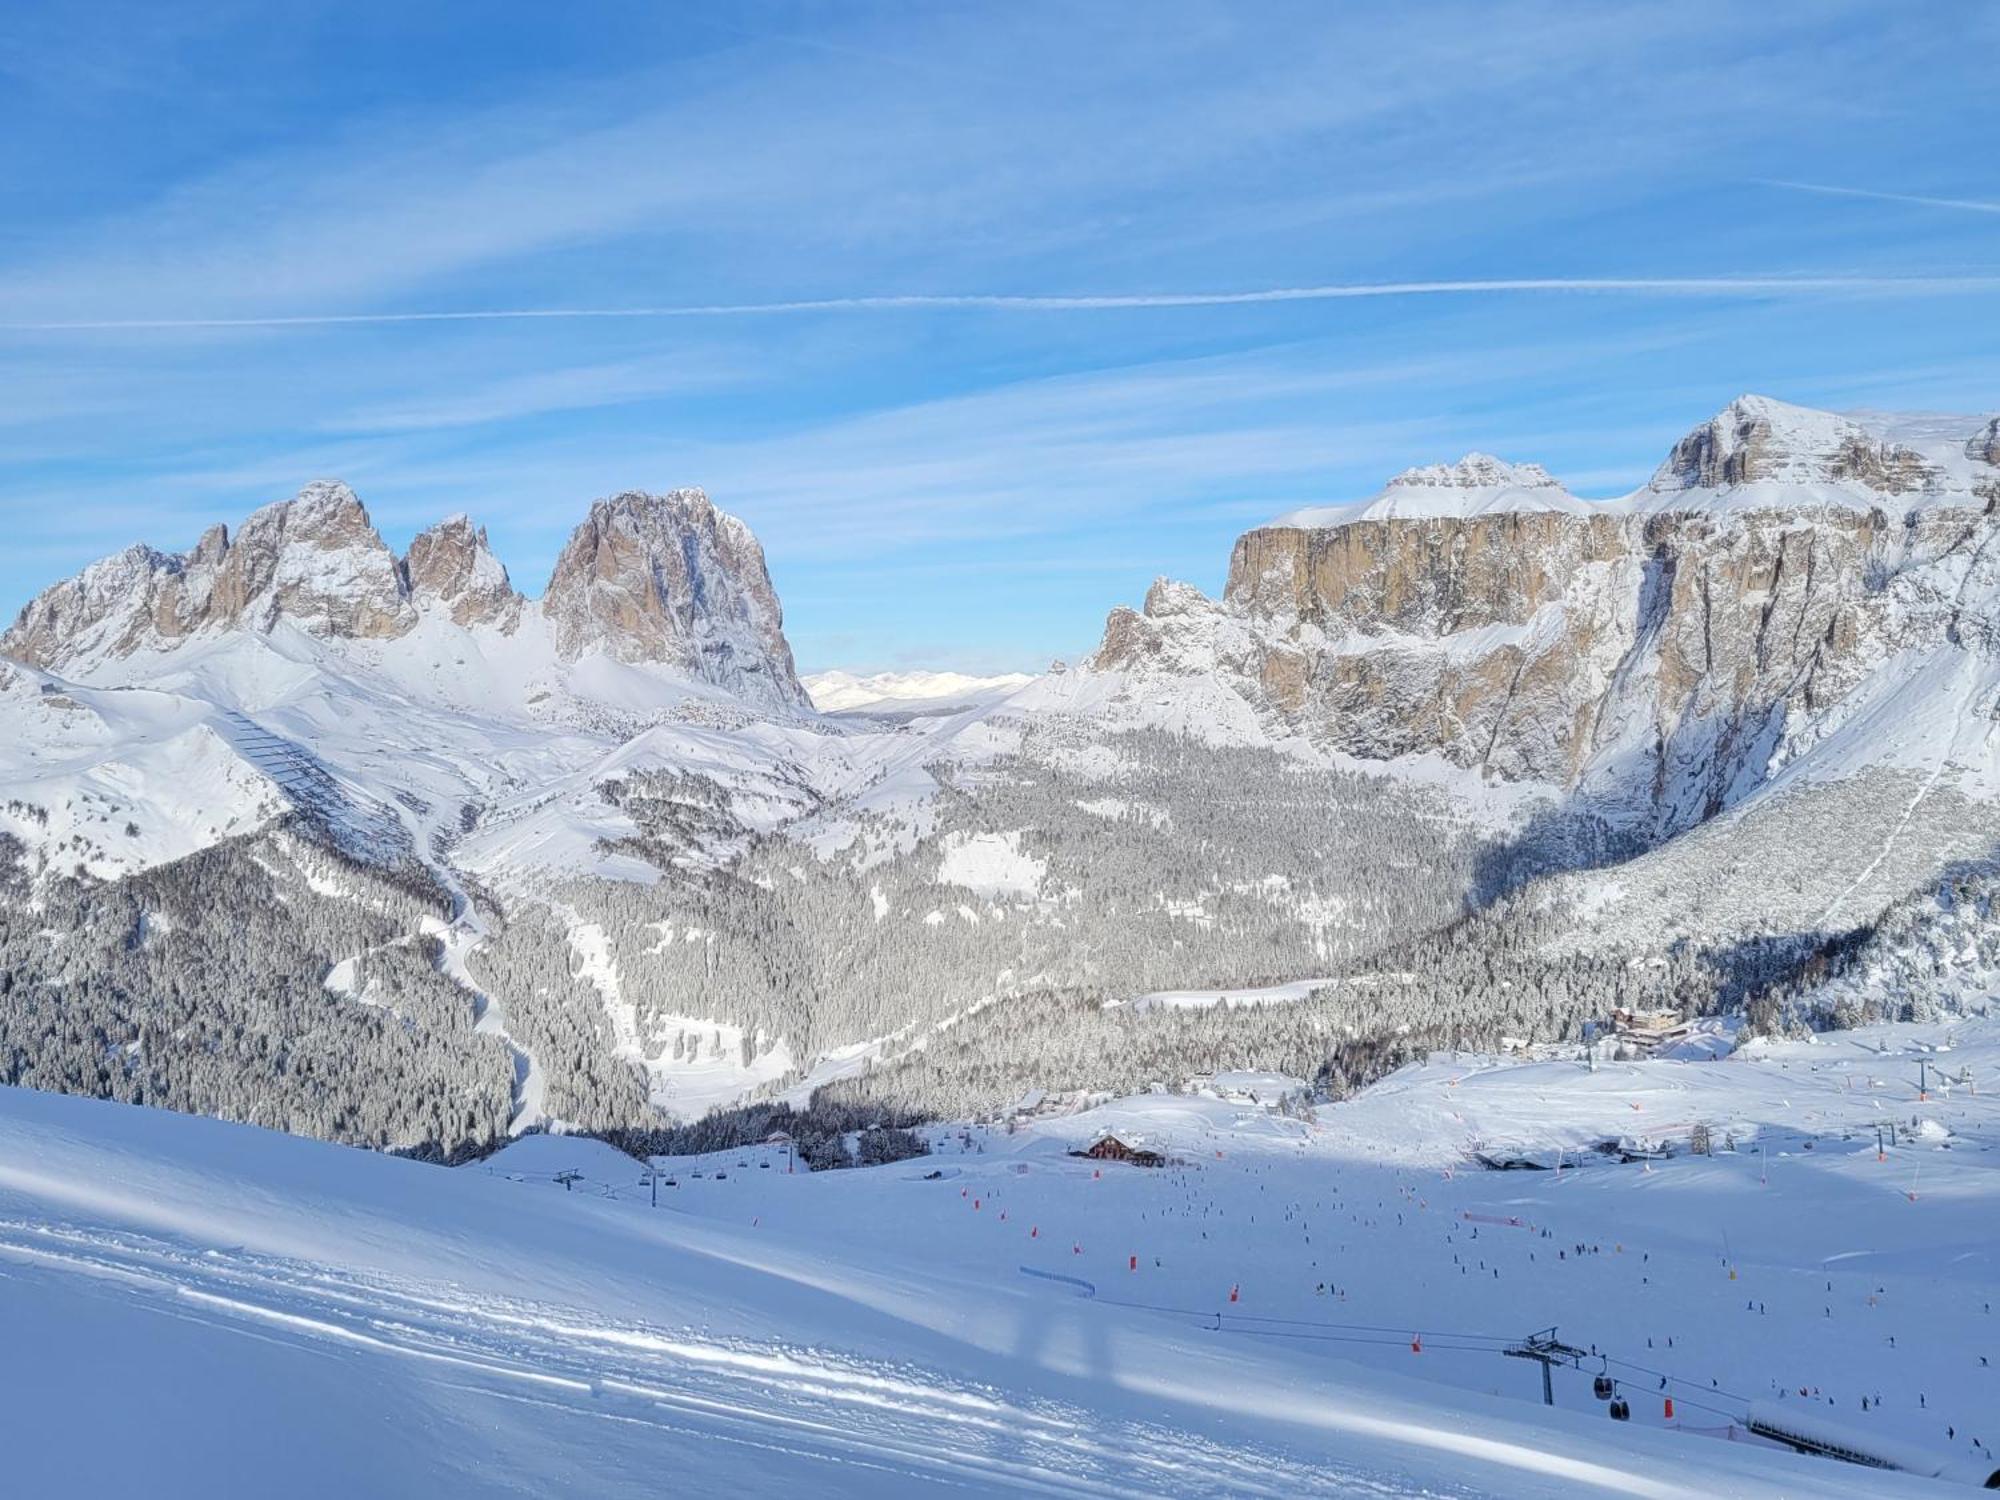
900	1420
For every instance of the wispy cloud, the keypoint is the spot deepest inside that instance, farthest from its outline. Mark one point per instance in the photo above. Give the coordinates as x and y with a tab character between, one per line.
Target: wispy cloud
908	286
876	148
540	392
1922	200
1804	285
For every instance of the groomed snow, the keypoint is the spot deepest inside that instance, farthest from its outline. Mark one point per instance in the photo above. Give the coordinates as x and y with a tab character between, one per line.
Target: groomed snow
213	1309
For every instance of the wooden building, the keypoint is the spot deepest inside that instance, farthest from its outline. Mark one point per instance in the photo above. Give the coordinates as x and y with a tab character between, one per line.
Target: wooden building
1110	1148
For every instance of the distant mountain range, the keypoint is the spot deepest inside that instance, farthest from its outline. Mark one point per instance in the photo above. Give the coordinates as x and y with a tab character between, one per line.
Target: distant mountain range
843	692
1785	573
378	847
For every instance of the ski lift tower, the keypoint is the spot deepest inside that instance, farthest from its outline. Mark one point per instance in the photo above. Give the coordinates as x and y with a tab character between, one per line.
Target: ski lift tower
783	1138
1549	1351
653	1173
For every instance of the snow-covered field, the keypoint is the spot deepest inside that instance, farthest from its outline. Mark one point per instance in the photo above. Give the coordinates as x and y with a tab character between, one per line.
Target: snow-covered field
1292	1307
1270	994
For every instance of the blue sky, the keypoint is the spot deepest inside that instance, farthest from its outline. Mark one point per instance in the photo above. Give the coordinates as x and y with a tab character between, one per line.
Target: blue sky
960	479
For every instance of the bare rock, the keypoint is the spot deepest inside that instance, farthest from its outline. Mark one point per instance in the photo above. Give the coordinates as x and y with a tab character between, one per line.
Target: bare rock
315	561
671	579
451	567
1984	445
1664	654
1756	440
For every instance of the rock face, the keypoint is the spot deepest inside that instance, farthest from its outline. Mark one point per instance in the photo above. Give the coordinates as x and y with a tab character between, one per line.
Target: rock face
1756	440
1490	634
1984	445
1661	653
315	561
451	567
665	579
669	578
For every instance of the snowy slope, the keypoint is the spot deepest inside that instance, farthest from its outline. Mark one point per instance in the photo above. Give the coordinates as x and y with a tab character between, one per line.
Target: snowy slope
1477	485
841	692
257	1312
1787	708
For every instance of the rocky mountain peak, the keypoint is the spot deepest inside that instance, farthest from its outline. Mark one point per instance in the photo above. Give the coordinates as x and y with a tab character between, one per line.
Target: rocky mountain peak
1476	471
672	579
1758	440
322	504
646	578
1170	596
317	561
452	566
214	542
1648	651
1476	485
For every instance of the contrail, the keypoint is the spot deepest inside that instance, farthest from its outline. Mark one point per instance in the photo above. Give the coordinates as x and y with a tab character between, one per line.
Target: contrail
1690	286
1969	205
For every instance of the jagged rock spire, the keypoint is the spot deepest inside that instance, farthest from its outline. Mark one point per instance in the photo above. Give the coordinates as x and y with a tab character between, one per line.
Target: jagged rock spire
670	578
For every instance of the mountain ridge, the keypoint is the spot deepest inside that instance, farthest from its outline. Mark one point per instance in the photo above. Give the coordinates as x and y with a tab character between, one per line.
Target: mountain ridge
645	578
1661	646
589	860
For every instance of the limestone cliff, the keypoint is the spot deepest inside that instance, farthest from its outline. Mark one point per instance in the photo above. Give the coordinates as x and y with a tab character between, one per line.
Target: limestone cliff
1664	651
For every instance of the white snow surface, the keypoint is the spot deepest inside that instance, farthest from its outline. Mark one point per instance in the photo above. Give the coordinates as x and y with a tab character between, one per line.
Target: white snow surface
837	691
992	865
1804	447
1477	485
267	1312
1270	994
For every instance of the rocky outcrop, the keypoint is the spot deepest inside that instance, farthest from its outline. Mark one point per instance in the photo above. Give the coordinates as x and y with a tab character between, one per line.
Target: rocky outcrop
451	567
315	561
1663	652
671	579
1984	445
1476	471
664	579
1434	577
1486	639
1755	440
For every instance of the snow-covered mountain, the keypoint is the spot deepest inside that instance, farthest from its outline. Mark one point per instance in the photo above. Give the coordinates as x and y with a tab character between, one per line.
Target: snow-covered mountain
669	578
844	692
595	858
1659	655
645	579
